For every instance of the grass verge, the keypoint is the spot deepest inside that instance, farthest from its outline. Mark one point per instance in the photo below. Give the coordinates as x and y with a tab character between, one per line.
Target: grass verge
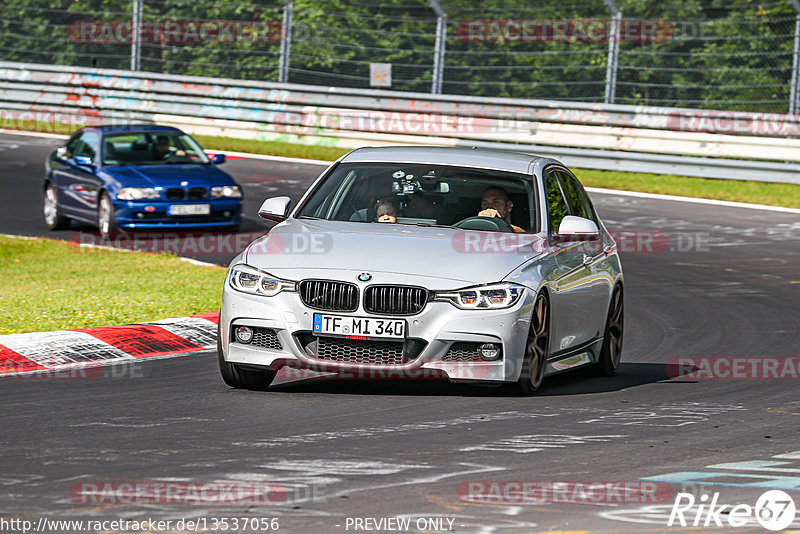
773	194
52	285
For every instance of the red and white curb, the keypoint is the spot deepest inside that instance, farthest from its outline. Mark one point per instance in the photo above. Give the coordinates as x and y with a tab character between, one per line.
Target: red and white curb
49	352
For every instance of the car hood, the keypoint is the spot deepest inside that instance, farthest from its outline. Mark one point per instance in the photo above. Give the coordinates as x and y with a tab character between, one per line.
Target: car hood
168	175
297	249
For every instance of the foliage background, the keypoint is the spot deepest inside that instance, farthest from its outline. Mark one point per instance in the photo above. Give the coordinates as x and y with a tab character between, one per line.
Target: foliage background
722	54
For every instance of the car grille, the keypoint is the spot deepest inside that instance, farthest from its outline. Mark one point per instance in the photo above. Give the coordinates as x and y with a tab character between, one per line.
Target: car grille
463	352
265	337
179	193
196	193
395	300
329	295
360	351
174	193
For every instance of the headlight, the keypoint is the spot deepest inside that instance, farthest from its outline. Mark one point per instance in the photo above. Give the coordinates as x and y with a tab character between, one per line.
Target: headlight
137	193
250	280
226	191
493	296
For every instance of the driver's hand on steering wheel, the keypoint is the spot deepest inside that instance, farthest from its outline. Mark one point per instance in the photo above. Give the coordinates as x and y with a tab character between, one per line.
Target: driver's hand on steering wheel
489	212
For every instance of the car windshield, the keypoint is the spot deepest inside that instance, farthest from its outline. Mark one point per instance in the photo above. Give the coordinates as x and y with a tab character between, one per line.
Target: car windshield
423	194
151	148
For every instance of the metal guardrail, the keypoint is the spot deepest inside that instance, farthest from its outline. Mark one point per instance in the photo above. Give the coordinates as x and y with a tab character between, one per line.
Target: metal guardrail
596	136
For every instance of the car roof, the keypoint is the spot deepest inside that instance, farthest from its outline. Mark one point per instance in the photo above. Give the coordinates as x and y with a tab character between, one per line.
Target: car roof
128	128
463	157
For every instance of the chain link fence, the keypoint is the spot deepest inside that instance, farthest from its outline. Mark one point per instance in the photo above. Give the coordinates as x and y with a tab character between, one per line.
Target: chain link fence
717	54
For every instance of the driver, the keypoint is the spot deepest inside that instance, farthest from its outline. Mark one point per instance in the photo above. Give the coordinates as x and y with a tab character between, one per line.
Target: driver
495	203
162	147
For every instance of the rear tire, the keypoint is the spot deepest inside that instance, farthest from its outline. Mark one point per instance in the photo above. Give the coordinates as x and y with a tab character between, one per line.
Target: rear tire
536	348
611	353
238	378
52	216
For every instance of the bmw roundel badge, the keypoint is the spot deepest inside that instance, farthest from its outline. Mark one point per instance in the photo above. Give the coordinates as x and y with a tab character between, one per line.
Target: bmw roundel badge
364	277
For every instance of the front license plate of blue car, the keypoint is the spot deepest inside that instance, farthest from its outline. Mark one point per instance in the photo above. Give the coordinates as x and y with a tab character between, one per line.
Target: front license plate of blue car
338	325
189	209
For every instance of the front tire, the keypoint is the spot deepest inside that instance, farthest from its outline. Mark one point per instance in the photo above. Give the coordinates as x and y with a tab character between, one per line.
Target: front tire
105	215
238	378
611	353
52	216
536	348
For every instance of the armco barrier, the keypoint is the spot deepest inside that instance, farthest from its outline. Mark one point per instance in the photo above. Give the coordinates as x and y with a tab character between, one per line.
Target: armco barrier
612	137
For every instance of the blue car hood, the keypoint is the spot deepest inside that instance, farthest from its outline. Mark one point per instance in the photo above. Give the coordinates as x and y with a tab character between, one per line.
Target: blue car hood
169	175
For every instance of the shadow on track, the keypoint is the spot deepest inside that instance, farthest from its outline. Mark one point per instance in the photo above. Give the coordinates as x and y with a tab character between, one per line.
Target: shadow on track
579	382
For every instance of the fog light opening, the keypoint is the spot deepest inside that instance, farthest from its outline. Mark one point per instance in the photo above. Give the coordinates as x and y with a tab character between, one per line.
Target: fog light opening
244	334
489	351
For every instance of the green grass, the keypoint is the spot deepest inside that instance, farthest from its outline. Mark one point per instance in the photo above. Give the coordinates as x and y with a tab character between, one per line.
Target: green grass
773	194
51	285
273	148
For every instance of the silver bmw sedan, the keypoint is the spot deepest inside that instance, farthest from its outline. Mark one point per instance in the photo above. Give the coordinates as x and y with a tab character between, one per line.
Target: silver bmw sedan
476	266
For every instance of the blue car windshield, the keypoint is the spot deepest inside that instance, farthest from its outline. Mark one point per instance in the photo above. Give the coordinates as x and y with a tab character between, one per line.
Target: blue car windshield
151	148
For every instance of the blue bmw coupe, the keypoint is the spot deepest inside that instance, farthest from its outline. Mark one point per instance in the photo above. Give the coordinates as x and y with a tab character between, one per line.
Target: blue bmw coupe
138	177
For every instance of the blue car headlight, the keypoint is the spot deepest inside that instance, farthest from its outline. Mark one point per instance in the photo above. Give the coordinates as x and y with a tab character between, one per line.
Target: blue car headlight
492	297
251	280
137	193
226	191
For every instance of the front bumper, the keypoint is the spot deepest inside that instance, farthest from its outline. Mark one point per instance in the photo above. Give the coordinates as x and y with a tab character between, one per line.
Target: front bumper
437	327
149	214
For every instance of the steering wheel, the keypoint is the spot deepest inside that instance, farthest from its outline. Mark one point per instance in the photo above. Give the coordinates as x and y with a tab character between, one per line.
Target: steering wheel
173	156
490	224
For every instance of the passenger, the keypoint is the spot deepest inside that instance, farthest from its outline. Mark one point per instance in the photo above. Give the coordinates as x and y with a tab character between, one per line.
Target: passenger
495	203
387	211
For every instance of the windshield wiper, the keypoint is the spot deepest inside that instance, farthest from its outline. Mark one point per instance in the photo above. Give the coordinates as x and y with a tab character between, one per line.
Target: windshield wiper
311	218
429	225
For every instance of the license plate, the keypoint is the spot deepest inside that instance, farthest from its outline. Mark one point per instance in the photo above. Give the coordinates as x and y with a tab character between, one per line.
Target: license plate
337	325
189	209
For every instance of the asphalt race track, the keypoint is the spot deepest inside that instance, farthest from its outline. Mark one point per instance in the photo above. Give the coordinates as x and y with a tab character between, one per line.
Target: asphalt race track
724	282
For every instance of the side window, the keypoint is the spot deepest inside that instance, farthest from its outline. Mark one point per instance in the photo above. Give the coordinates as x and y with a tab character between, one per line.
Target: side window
88	145
586	200
556	207
71	146
574	200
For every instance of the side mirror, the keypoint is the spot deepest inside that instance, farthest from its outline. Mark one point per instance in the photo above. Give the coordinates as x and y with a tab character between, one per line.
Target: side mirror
84	161
218	159
275	209
61	152
574	228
